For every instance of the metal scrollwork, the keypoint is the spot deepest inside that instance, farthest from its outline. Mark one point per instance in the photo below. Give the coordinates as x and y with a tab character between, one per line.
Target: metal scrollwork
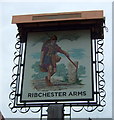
35	110
89	106
101	81
77	109
15	76
13	96
24	109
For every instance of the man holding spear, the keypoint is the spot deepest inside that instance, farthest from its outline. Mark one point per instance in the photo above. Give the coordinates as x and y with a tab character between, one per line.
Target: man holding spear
49	58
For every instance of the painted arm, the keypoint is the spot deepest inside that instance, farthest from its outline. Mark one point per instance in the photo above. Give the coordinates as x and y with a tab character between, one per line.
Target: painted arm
64	52
67	55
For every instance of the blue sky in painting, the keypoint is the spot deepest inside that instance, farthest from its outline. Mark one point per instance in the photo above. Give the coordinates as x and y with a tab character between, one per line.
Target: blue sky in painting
35	55
74	53
77	53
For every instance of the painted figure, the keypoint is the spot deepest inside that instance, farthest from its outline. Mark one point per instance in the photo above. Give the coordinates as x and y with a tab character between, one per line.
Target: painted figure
49	57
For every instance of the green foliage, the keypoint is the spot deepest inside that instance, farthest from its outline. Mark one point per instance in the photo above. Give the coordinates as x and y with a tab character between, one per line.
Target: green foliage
38	74
35	67
65	78
62	71
79	82
80	74
81	70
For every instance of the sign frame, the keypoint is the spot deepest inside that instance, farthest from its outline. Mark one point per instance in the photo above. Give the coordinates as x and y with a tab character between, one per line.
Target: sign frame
70	80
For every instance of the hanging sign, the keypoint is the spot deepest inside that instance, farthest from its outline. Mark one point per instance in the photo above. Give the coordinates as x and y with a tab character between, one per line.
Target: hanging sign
58	66
58	59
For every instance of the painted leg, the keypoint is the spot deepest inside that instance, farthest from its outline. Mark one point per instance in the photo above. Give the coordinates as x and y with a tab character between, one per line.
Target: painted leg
48	78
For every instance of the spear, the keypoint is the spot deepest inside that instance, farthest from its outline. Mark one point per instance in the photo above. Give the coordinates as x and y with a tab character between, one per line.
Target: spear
76	66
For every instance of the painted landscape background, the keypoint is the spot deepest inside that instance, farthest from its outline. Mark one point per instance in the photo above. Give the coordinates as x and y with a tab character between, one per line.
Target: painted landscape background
78	44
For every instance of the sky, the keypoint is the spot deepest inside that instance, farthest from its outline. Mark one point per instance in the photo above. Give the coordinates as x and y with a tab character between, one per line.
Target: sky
8	40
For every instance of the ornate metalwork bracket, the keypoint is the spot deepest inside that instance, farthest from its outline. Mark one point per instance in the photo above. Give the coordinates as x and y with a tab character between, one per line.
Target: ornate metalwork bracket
69	107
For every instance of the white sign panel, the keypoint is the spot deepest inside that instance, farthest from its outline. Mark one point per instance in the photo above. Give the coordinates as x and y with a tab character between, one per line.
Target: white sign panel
58	66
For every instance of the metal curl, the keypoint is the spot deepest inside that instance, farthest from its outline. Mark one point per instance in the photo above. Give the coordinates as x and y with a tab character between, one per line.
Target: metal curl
24	109
16	58
100	108
100	42
14	76
35	111
101	81
12	95
101	70
15	68
13	109
102	93
18	45
103	102
90	108
106	28
13	85
101	84
81	108
101	75
16	53
18	35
